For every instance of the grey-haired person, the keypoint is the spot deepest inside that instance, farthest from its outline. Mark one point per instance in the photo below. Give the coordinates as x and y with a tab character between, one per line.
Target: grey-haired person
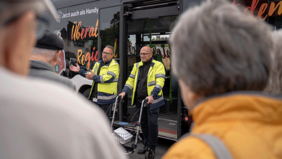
221	57
40	119
274	85
44	57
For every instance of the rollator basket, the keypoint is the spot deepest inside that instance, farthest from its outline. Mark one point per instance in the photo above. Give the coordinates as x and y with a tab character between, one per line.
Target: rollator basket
122	135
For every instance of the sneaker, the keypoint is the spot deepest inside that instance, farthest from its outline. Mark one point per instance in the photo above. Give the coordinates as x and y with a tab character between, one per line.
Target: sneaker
142	151
150	154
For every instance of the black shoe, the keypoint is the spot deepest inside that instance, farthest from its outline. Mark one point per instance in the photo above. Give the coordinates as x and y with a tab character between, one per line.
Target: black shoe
150	154
142	151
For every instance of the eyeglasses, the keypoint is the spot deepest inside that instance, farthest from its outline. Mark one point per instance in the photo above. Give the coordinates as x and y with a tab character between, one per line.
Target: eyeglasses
42	24
143	54
106	53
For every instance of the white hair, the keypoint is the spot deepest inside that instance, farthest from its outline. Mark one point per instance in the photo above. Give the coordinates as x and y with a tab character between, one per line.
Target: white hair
275	80
217	48
48	54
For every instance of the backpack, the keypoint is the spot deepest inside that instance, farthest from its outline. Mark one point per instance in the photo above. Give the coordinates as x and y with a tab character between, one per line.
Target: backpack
217	146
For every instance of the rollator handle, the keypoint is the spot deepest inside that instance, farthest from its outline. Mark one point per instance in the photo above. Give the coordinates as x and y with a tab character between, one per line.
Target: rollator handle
145	103
145	100
118	99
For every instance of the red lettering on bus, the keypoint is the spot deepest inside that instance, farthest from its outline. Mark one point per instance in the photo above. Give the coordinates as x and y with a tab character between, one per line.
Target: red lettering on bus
253	6
86	29
272	8
91	30
81	58
81	34
263	8
79	53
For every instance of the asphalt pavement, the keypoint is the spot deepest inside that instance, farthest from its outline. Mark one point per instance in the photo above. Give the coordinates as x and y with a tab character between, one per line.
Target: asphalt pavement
162	147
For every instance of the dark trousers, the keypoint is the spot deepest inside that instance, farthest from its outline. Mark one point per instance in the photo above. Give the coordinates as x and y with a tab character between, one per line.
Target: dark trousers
149	125
105	108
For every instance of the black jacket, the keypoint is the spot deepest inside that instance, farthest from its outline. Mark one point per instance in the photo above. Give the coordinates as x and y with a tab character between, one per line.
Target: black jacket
141	90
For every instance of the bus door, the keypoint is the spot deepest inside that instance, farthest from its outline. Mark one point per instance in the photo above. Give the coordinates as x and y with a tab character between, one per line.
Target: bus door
149	23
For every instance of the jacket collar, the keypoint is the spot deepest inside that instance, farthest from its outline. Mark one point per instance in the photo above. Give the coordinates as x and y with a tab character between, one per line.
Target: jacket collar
241	105
107	63
151	61
40	65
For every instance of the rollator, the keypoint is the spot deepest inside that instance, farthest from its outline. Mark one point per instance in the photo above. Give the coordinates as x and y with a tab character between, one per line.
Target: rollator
123	136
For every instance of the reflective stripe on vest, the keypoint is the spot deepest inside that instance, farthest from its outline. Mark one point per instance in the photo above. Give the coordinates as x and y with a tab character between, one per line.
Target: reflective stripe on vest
132	75
111	73
107	97
151	83
160	75
129	86
158	100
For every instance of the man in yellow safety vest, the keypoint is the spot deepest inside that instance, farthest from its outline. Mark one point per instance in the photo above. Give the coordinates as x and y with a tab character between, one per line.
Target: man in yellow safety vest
105	75
147	80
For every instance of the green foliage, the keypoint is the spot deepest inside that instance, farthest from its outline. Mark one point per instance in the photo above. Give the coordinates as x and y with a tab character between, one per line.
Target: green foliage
109	35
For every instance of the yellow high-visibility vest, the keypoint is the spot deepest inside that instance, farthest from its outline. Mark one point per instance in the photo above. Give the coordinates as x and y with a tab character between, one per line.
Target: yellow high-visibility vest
107	82
155	82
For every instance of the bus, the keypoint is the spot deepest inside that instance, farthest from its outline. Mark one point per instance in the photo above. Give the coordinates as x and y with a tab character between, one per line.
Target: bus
87	26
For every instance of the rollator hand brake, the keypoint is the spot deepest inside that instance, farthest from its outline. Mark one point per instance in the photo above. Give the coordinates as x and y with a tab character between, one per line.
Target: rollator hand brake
145	101
119	98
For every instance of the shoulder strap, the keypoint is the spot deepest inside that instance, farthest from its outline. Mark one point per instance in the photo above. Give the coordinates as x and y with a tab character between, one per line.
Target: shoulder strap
218	147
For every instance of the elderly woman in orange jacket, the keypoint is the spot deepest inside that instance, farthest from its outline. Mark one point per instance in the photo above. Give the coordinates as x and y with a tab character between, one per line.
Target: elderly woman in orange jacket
222	60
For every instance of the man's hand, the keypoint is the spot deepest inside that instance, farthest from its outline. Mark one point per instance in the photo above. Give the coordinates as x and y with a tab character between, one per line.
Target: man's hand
150	99
122	94
89	75
75	68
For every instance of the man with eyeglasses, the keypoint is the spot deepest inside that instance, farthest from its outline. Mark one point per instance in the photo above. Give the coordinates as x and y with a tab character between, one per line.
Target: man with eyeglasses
147	80
105	75
40	119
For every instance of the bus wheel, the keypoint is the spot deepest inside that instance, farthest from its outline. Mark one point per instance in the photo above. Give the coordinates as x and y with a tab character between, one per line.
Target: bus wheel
85	90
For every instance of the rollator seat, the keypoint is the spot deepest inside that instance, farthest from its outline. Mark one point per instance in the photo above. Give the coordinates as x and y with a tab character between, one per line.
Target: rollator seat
124	124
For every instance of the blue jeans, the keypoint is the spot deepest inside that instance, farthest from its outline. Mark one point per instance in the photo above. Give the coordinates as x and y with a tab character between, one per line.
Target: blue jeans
149	125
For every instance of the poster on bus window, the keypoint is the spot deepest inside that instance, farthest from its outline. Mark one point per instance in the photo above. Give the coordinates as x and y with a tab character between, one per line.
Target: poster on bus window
61	62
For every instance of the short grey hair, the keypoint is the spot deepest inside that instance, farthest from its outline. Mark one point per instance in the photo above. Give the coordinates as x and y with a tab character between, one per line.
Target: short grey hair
217	49
110	47
274	85
49	54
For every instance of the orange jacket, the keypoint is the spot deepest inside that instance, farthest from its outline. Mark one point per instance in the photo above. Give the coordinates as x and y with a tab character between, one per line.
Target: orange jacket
250	125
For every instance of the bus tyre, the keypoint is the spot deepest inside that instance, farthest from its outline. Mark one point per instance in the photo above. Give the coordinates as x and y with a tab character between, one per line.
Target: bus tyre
85	91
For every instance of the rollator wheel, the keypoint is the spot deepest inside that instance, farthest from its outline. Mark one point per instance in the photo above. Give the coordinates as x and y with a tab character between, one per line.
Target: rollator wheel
149	155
